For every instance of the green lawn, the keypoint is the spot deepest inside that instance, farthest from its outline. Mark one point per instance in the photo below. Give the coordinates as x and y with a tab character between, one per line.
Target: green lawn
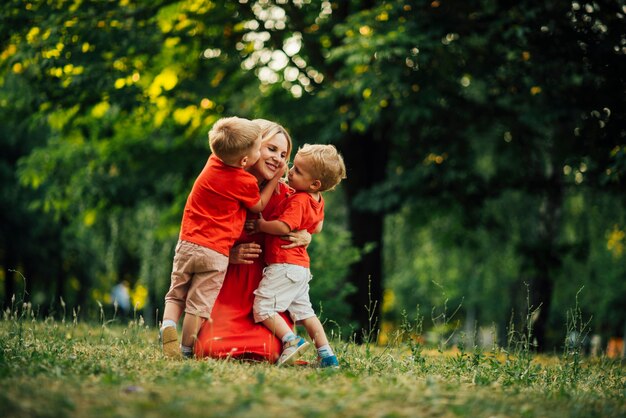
52	369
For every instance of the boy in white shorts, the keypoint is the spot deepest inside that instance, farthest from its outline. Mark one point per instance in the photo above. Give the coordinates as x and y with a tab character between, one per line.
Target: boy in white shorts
285	283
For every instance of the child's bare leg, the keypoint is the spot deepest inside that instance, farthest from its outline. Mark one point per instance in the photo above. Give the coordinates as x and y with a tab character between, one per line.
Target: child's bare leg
278	326
324	351
191	326
172	312
316	331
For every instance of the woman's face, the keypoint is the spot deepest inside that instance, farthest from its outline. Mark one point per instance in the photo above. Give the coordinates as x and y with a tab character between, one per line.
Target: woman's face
273	157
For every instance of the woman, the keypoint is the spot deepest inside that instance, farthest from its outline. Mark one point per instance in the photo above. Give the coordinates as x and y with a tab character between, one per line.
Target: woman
232	331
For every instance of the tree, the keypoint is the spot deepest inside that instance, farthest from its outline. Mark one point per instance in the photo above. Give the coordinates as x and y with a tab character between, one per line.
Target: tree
491	99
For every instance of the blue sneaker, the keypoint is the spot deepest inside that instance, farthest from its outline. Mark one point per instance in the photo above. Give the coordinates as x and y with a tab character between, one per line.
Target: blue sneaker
292	350
330	361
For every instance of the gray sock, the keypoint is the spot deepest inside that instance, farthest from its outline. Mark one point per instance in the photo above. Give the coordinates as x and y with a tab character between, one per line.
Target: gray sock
186	351
325	351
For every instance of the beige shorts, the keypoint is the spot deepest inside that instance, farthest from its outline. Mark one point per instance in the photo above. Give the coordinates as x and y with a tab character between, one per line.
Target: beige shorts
197	276
284	287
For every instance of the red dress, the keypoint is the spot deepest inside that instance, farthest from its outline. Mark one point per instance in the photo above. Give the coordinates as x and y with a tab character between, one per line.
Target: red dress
233	332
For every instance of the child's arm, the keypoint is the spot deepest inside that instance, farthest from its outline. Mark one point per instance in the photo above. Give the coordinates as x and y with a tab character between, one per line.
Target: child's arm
266	193
318	228
272	227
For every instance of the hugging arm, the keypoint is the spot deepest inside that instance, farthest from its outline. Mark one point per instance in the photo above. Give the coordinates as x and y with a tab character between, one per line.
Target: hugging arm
275	227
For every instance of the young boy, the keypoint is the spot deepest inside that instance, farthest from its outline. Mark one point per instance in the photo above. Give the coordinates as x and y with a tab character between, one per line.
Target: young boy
213	219
285	283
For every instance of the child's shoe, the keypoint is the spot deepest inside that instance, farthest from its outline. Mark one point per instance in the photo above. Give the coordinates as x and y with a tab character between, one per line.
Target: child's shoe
292	350
169	341
330	361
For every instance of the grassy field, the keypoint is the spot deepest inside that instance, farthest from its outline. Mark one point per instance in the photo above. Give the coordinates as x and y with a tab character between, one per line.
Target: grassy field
52	368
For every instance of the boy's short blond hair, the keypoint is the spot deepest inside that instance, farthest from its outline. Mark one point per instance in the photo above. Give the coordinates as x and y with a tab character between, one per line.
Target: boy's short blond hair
327	164
231	138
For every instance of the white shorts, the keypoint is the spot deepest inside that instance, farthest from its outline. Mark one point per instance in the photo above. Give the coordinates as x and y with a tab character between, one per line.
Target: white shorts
284	287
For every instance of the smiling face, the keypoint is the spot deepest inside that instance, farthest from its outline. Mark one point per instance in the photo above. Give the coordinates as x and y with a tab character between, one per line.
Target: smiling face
301	176
273	157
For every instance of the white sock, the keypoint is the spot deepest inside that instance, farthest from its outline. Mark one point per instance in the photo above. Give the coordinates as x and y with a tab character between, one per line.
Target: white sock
288	337
168	323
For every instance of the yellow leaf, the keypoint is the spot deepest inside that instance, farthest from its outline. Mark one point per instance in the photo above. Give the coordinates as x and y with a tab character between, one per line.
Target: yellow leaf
389	300
218	78
169	79
360	69
183	116
615	241
159	117
172	42
382	17
90	217
10	50
100	109
32	34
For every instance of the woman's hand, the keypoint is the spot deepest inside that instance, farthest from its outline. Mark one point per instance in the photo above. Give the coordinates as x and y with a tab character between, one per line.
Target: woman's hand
244	253
298	239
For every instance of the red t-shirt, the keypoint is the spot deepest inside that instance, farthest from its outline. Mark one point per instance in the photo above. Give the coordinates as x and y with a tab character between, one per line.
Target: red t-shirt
215	211
299	211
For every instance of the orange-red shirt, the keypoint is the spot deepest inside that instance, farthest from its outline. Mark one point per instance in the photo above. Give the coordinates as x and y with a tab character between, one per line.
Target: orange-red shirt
299	211
215	211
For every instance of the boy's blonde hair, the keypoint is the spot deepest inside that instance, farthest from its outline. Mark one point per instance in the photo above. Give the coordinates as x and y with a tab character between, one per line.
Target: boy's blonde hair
231	138
327	164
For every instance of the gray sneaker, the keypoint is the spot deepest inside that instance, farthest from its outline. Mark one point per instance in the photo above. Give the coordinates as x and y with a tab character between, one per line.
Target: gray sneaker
292	350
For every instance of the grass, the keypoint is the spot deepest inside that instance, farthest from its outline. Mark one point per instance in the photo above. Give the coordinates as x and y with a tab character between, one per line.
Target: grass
53	368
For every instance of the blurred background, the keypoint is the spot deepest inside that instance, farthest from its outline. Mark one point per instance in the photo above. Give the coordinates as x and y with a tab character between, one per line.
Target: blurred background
485	143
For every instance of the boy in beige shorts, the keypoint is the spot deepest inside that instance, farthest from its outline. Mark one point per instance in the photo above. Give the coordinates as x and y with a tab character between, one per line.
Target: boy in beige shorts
213	219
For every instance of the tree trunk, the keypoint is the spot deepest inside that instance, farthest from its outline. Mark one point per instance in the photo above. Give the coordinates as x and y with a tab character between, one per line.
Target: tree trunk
546	259
9	262
366	162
